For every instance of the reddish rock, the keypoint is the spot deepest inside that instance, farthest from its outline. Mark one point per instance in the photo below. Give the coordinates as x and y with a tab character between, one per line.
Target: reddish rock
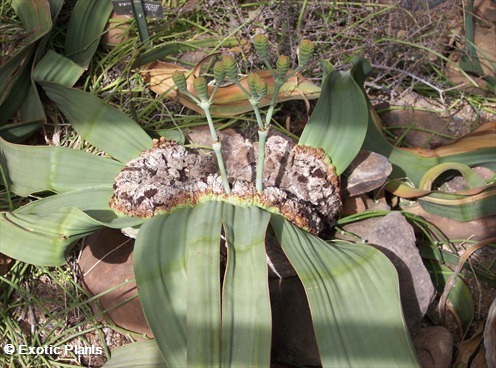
434	347
368	171
479	229
106	261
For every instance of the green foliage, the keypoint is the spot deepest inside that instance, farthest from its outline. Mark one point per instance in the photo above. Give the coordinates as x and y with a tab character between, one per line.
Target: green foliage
338	124
31	61
177	258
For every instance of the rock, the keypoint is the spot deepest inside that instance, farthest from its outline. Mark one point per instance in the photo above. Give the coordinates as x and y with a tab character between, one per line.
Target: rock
479	229
458	183
293	337
418	126
117	30
434	347
106	261
485	12
394	236
360	203
368	171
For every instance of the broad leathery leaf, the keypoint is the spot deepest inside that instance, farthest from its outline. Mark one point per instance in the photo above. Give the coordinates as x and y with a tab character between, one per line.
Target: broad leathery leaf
42	231
93	201
162	250
88	20
100	124
476	202
203	286
25	100
229	100
31	114
19	132
338	124
32	169
35	16
246	313
15	80
56	68
17	91
143	354
352	290
461	207
460	301
465	205
43	239
473	180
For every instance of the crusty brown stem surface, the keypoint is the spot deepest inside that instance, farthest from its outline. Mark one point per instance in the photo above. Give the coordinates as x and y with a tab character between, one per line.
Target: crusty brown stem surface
299	181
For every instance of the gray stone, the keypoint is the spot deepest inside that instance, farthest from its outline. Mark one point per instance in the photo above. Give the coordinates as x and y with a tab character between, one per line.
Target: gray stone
368	171
434	347
395	237
478	229
417	127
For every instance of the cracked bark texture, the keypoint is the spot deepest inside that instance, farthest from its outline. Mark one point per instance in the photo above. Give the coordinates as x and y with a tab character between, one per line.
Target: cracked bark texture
299	182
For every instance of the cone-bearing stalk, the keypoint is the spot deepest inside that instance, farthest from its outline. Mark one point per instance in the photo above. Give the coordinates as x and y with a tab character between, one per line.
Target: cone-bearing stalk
257	90
201	89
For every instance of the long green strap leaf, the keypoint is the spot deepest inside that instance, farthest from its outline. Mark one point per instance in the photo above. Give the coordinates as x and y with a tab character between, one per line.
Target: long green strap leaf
49	226
58	169
35	16
338	124
203	286
143	354
172	254
56	68
353	295
85	29
246	314
103	126
160	268
14	82
460	297
92	201
43	239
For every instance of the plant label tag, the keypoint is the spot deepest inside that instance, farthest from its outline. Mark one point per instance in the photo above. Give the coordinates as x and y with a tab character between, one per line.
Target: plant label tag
152	9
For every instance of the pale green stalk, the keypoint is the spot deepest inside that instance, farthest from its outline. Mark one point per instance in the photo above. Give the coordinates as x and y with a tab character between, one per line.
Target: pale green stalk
216	143
253	103
277	86
262	138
